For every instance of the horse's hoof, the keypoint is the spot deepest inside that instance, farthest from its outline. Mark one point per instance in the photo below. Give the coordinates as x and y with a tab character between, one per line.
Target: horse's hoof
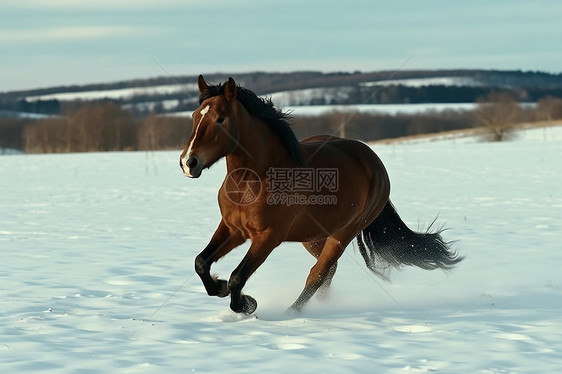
224	290
218	288
247	305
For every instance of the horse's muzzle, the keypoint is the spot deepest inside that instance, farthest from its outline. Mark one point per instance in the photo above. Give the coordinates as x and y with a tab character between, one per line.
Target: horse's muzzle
193	167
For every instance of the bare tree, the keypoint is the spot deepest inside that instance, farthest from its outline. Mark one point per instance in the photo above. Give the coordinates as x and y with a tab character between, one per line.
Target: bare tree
45	136
340	121
148	136
92	127
548	108
497	113
160	132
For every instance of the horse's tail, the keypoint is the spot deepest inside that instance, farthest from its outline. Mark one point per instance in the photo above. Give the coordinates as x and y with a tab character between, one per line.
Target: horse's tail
387	242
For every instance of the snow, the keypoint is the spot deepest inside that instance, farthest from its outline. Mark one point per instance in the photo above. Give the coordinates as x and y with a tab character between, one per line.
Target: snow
421	82
151	105
307	96
15	114
391	109
10	151
97	270
120	93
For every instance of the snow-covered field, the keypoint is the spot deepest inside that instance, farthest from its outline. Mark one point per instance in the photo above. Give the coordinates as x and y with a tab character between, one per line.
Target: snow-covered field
432	81
97	276
391	109
119	93
308	95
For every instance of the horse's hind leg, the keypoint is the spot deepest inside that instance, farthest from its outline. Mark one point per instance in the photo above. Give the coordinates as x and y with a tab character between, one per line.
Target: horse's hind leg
323	269
323	291
315	248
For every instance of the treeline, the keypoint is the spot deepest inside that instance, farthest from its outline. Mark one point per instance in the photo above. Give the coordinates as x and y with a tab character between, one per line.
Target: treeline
400	94
375	126
498	114
102	126
105	126
24	106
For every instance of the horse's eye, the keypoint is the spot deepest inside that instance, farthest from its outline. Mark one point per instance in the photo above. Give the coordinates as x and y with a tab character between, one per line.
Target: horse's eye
220	120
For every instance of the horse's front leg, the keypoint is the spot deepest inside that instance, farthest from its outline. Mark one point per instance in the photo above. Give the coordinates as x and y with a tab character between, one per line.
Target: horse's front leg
222	242
259	250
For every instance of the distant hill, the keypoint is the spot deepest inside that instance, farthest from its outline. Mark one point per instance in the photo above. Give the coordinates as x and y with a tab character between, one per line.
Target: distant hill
175	94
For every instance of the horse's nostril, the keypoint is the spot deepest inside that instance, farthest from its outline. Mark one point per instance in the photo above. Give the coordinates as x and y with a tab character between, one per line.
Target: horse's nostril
192	162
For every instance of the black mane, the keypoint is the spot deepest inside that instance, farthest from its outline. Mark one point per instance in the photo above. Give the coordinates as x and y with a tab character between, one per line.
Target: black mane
277	120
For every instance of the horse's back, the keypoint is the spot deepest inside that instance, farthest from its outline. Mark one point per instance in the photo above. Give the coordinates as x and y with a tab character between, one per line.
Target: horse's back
320	149
319	143
356	162
320	139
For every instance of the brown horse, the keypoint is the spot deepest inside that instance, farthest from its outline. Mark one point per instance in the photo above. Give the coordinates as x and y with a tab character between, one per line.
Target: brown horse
323	191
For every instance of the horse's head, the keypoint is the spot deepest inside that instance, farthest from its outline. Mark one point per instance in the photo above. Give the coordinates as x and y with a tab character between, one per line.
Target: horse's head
215	131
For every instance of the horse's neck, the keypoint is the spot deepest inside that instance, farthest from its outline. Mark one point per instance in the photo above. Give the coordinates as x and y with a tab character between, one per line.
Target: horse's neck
258	149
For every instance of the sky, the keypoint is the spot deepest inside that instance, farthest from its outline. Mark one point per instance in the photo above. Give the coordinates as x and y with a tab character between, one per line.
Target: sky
47	43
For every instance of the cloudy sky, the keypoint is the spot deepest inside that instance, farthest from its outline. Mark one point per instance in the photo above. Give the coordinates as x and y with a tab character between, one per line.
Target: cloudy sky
61	42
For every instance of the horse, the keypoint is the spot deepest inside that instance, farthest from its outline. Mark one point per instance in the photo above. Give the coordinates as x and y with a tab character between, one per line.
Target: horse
322	191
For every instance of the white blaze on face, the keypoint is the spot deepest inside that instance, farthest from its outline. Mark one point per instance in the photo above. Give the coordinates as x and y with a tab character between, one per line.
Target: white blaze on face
185	167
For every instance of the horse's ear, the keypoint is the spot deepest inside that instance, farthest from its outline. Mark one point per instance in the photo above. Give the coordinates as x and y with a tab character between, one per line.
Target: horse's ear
203	86
230	90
